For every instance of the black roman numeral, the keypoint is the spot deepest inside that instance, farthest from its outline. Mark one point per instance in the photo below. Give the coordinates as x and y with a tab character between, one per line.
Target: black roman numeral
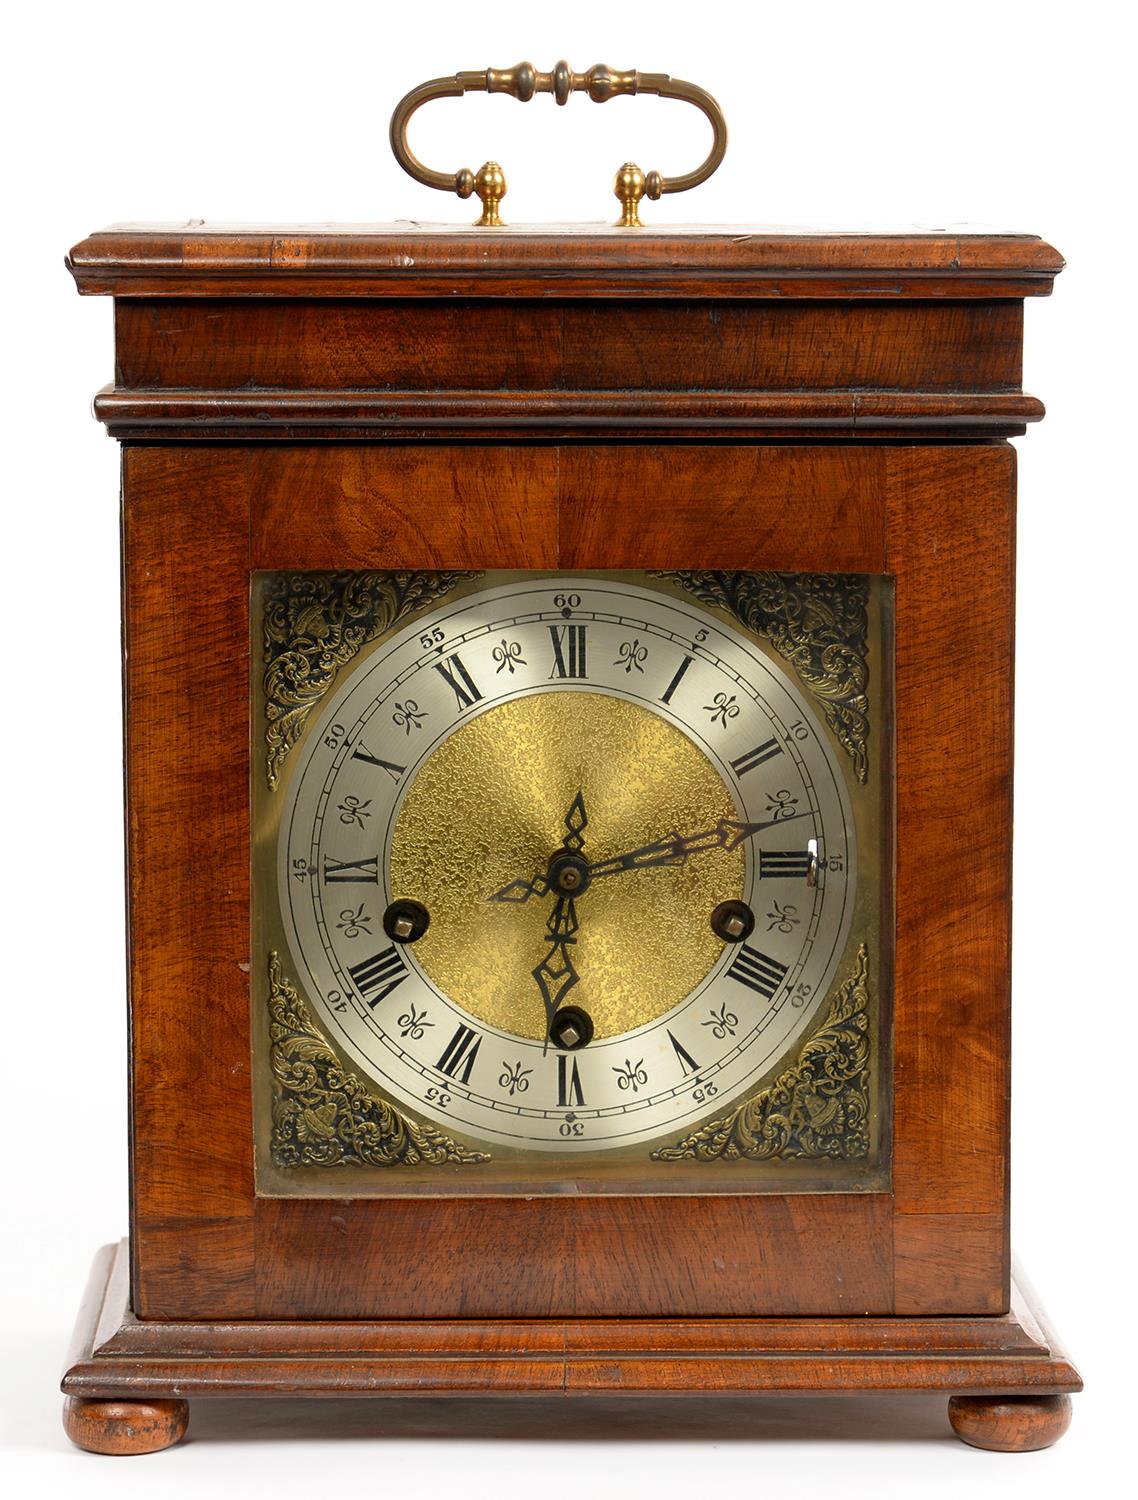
569	1090
686	1060
460	1053
569	1082
352	871
764	752
568	650
666	695
785	864
394	771
382	972
757	971
454	672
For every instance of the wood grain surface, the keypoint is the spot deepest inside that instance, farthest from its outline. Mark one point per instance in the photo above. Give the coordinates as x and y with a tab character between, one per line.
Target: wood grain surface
116	1356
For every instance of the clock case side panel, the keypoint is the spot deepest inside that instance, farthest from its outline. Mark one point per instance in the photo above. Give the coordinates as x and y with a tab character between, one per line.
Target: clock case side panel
185	587
950	531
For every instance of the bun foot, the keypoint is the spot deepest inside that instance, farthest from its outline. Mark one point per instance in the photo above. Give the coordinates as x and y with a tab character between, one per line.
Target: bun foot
1010	1424
124	1427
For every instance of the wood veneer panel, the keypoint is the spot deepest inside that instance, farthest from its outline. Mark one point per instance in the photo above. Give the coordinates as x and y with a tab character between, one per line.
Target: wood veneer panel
559	260
708	507
584	1257
375	507
115	1355
950	543
951	1262
517	344
186	639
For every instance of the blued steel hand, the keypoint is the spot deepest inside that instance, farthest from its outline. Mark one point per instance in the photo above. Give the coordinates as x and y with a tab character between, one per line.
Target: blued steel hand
674	849
677	847
555	974
575	821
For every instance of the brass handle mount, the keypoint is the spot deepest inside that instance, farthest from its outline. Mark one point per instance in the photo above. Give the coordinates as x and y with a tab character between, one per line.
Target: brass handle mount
601	83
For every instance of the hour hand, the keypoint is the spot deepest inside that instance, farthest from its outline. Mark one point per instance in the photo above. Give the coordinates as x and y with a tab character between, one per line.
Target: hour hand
522	890
575	821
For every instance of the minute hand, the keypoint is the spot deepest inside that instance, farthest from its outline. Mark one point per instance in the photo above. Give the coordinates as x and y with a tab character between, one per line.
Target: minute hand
727	834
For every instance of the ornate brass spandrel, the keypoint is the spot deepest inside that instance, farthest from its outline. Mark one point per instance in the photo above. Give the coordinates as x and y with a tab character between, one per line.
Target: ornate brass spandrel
817	1108
819	623
314	624
323	1116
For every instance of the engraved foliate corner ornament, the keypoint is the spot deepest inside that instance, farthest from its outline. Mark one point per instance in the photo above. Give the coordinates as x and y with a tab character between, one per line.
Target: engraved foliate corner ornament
819	623
817	1108
314	624
323	1116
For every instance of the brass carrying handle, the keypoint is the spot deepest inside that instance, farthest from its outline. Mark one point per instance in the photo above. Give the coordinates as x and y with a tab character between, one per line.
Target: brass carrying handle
523	82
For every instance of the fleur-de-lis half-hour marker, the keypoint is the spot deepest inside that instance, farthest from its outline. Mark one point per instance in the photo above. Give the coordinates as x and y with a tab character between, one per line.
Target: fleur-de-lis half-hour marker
515	1078
722	708
508	656
408	716
352	923
632	1076
630	656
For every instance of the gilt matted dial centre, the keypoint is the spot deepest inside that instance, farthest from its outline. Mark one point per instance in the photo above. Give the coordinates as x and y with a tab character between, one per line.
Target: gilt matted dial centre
672	761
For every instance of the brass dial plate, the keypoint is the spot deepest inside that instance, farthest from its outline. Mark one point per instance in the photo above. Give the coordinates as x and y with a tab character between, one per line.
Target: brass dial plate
440	767
490	803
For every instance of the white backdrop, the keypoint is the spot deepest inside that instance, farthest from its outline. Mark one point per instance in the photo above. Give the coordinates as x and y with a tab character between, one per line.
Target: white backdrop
882	113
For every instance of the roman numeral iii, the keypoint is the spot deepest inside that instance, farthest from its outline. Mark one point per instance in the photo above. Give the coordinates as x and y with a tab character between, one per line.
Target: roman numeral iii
785	864
757	971
381	973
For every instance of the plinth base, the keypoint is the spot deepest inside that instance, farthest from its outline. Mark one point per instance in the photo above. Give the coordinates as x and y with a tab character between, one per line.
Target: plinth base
128	1381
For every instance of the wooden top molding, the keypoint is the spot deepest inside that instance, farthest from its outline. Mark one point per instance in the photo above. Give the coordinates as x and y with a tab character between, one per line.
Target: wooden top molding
410	259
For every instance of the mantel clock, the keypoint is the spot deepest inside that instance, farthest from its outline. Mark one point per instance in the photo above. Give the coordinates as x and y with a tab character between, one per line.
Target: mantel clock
568	686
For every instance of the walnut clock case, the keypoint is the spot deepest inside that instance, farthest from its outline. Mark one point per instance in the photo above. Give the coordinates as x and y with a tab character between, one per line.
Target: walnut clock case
569	747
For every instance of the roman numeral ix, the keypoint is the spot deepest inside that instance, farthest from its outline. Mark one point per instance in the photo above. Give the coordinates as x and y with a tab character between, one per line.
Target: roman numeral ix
352	871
